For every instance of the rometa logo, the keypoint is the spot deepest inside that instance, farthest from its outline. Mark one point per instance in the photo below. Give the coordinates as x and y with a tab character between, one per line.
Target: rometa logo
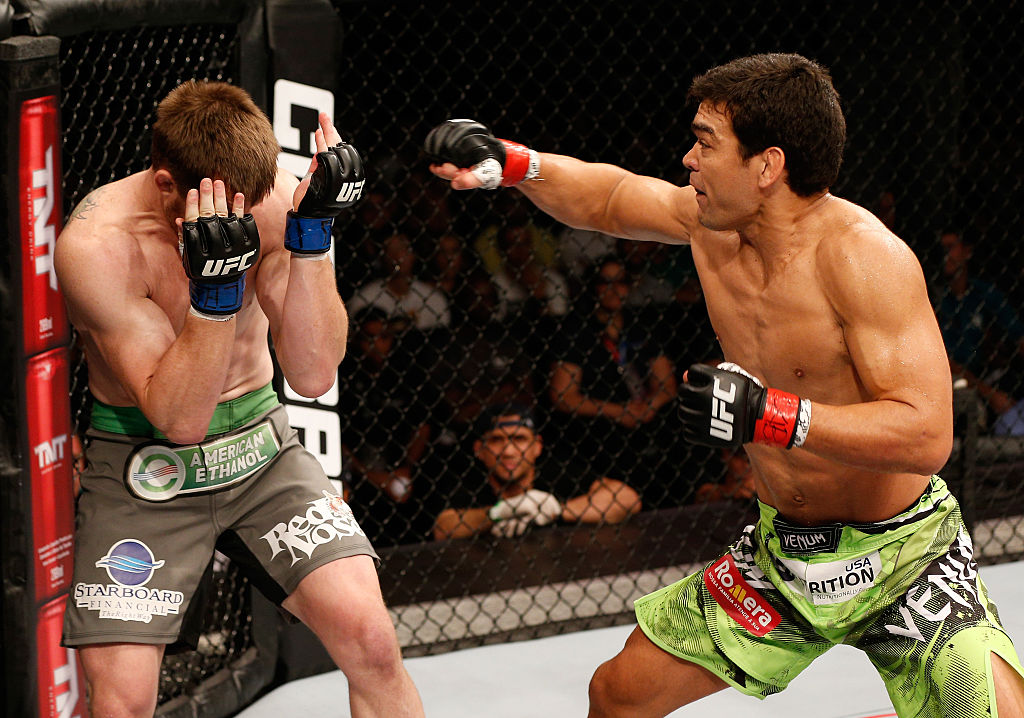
741	602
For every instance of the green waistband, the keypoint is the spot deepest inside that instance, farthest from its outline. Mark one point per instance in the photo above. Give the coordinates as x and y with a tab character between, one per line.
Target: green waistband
228	416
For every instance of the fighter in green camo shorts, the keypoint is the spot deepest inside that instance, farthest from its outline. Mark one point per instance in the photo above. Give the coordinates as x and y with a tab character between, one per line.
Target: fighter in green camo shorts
905	591
832	376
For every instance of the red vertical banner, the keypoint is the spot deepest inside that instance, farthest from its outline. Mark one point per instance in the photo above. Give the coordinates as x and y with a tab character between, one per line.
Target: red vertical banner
61	682
48	409
44	317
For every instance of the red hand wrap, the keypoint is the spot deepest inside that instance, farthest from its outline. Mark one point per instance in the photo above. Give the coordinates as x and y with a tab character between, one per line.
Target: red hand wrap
517	162
777	424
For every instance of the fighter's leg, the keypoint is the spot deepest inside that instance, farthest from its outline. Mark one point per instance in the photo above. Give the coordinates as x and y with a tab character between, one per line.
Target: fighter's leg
122	678
644	680
1009	689
342	604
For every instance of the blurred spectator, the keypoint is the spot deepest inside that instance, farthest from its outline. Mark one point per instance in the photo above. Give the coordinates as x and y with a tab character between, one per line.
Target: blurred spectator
359	243
512	209
659	274
611	387
484	363
388	403
578	249
981	331
737	479
448	262
400	293
526	286
885	209
508	502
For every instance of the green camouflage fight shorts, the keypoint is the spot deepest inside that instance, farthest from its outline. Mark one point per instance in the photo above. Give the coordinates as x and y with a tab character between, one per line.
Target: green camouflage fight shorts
151	515
906	591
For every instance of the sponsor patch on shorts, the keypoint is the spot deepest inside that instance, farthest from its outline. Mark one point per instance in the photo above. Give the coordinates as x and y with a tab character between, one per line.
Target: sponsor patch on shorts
740	601
833	581
807	539
130	564
326	520
158	472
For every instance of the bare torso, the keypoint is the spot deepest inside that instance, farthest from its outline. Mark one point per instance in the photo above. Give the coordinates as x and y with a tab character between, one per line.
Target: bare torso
781	324
141	248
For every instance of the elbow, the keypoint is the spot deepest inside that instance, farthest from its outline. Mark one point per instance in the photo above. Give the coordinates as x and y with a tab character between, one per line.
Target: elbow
936	456
313	383
184	433
934	447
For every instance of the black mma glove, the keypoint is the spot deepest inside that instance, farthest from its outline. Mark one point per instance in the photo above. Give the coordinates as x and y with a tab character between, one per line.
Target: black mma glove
336	184
216	252
726	406
497	163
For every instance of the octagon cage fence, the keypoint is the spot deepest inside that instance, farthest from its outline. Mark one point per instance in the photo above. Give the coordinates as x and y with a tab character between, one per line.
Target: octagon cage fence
497	303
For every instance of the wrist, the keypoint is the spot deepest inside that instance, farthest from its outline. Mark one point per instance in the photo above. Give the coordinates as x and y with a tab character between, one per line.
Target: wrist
307	236
216	301
210	317
521	163
783	421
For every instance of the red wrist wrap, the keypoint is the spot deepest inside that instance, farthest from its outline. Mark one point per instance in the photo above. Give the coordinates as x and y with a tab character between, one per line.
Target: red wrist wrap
777	424
517	162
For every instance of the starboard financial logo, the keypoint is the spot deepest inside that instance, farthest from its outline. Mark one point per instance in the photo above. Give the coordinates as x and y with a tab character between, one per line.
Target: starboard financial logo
130	564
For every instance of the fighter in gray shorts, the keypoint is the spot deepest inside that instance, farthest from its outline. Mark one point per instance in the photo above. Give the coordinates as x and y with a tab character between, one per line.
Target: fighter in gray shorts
151	514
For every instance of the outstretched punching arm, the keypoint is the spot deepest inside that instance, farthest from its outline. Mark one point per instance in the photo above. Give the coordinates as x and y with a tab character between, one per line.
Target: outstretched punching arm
587	195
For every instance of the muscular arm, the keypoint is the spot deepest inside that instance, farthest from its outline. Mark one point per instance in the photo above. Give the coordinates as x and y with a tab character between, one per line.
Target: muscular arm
461	523
601	197
607	501
898	355
176	380
567	394
308	321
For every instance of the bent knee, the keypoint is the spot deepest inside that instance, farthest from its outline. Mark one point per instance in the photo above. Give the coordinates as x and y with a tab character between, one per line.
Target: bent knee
374	646
609	691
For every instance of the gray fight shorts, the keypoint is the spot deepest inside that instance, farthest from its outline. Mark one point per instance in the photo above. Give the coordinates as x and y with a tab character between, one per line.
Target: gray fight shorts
151	515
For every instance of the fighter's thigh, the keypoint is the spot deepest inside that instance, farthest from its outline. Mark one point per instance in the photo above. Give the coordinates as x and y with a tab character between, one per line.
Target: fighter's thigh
1008	686
647	680
288	522
340	600
123	677
960	674
137	565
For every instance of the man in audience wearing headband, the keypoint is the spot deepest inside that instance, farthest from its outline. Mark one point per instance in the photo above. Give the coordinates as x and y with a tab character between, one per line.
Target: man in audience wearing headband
173	291
508	446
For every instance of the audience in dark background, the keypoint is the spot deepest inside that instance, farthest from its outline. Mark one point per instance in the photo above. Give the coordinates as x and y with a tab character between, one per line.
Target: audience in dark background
595	342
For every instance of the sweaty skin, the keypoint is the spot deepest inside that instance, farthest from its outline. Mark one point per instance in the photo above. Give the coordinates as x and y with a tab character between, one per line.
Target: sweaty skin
812	295
119	266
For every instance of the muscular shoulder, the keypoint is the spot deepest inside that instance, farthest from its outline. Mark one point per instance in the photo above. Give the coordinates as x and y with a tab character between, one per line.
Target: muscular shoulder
98	230
862	263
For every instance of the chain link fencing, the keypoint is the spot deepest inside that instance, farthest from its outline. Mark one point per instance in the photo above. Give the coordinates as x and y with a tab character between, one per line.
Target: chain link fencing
462	300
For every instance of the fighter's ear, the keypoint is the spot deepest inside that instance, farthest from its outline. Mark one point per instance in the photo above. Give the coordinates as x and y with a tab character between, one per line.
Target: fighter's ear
166	184
773	166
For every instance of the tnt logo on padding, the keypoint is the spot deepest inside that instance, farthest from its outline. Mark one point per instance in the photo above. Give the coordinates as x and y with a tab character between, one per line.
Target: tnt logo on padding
130	563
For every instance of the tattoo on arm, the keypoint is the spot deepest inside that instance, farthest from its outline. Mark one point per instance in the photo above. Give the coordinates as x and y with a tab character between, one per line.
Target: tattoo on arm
81	212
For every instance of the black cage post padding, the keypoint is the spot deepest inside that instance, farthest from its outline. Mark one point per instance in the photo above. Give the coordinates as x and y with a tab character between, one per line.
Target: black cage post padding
64	18
28	74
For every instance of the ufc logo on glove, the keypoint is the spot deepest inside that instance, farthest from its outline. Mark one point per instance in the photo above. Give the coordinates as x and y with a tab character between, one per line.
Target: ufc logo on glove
219	267
721	418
